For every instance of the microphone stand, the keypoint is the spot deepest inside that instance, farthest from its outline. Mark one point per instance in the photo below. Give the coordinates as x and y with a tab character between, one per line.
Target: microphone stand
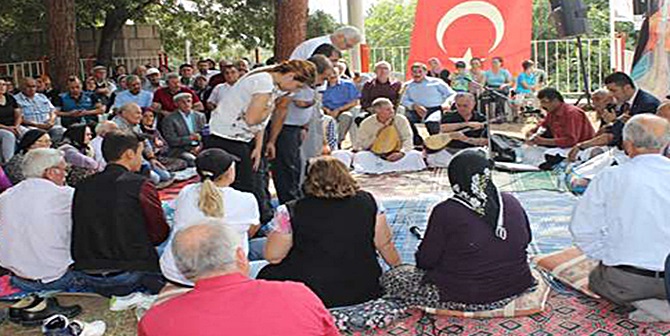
488	113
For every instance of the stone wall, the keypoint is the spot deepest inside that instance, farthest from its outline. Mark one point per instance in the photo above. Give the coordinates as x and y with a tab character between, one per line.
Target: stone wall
133	41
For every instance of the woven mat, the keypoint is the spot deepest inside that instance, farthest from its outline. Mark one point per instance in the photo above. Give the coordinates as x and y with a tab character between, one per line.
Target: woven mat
435	183
566	314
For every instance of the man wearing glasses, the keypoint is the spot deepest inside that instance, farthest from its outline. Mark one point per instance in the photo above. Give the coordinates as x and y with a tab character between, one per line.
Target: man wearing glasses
38	111
35	239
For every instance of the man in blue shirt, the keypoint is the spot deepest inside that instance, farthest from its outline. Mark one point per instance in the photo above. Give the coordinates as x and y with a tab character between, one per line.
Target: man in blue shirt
423	97
38	111
339	99
134	94
76	106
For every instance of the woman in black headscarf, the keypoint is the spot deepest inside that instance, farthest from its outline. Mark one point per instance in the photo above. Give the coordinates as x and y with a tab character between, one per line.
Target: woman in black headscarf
78	153
34	138
473	256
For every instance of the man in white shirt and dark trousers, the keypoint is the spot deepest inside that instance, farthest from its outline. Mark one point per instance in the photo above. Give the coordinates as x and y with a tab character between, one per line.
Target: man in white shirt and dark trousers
36	225
622	219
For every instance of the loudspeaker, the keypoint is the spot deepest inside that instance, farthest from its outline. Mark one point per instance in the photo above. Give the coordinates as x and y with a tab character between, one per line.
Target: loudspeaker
570	17
640	7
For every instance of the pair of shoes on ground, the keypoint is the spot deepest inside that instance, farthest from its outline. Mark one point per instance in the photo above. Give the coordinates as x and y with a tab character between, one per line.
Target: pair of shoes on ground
33	310
130	301
59	325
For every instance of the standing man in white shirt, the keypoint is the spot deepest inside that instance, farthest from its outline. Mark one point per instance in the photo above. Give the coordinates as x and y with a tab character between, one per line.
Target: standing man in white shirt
622	219
343	38
36	228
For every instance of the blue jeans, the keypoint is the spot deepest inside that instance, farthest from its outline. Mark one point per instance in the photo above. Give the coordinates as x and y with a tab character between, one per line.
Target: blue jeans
256	247
69	282
124	283
667	277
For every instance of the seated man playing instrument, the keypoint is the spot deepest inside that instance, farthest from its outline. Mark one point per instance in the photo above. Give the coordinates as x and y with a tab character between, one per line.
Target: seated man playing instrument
384	143
465	128
564	126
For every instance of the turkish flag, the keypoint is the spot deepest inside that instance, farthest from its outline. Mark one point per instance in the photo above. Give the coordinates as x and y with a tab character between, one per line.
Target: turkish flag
455	30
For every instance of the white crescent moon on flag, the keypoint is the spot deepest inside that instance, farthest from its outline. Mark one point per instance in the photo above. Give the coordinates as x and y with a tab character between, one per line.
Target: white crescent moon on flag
483	8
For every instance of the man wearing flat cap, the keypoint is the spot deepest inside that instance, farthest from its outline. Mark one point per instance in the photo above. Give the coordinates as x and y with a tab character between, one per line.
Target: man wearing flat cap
181	129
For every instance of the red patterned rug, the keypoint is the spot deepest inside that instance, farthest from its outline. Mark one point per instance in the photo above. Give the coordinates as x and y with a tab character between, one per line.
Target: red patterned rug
566	314
173	190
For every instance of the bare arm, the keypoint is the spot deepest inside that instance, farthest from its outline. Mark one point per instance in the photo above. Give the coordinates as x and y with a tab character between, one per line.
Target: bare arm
345	108
97	110
277	247
258	109
384	242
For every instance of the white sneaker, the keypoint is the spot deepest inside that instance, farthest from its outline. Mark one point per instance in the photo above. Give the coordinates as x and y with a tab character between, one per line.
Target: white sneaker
121	303
95	328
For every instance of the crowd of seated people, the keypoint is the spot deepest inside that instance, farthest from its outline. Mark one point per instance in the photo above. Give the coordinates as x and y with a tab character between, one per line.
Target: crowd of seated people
99	223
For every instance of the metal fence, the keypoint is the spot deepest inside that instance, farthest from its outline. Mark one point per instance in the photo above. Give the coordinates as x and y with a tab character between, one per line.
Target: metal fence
558	58
85	64
20	70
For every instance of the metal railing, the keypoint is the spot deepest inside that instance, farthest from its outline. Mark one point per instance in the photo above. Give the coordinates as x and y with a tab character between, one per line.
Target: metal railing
86	64
20	70
558	58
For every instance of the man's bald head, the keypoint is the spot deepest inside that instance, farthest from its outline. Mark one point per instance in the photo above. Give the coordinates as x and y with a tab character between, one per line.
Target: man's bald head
646	134
105	127
208	249
663	111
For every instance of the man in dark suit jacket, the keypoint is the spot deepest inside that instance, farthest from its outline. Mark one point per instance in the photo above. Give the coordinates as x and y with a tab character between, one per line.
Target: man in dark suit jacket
631	101
181	129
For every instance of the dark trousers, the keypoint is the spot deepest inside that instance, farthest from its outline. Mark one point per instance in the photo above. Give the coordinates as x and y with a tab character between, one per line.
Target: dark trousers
433	127
261	186
245	177
286	165
244	168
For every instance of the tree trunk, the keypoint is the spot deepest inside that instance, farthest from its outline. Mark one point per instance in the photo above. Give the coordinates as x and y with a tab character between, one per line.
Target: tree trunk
114	22
63	49
290	26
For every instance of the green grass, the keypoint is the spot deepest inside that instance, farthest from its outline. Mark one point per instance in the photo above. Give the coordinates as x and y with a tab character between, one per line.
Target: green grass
93	308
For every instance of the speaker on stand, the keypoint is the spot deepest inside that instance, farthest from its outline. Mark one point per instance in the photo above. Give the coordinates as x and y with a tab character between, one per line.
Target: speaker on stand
570	18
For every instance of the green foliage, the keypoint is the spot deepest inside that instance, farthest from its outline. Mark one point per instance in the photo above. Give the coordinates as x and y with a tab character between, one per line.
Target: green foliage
389	23
320	23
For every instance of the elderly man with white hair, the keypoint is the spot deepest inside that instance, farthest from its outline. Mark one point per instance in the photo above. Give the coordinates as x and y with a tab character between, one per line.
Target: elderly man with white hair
343	38
622	219
182	128
224	296
101	129
383	85
36	224
384	143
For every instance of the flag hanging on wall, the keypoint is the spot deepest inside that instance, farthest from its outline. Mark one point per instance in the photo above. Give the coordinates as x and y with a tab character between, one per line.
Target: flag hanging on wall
651	68
458	30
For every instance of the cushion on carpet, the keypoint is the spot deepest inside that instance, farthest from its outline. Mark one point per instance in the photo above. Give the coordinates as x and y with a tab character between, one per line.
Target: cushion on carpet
527	304
569	266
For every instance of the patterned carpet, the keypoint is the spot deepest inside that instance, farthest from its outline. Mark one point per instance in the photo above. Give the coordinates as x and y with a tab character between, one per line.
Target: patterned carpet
566	314
408	200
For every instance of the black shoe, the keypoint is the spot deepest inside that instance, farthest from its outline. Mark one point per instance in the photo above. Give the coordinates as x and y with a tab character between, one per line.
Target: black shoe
28	302
49	307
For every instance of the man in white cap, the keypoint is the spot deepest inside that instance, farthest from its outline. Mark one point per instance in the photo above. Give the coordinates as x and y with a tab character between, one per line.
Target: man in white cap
154	81
104	87
181	129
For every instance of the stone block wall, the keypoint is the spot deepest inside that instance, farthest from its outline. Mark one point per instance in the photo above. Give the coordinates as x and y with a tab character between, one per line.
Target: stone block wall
133	41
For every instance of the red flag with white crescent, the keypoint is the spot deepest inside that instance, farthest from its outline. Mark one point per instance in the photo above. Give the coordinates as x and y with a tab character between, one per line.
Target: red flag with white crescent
458	30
